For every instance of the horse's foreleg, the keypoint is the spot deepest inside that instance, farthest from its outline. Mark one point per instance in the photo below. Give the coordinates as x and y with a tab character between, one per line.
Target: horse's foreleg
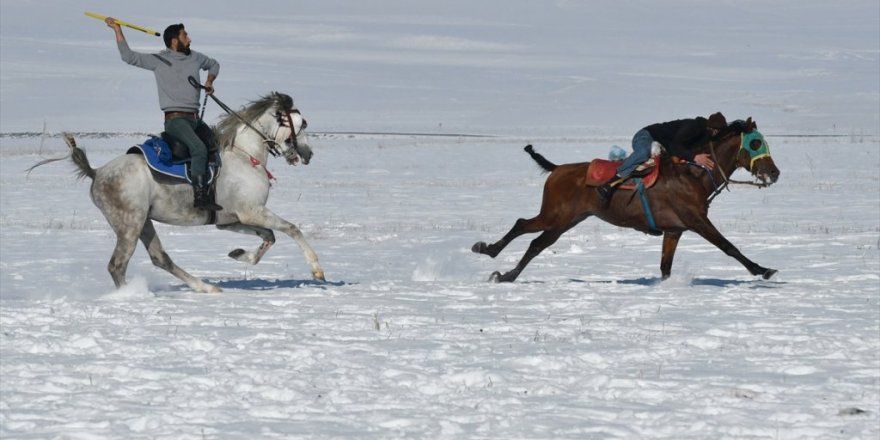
540	243
161	260
250	257
670	242
708	231
522	226
264	218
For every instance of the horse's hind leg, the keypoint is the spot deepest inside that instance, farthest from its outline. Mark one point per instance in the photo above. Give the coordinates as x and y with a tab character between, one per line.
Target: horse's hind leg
162	260
127	229
540	243
250	257
126	241
522	226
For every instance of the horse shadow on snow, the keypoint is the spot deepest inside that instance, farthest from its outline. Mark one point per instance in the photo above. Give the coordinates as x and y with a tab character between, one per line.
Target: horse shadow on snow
253	285
713	282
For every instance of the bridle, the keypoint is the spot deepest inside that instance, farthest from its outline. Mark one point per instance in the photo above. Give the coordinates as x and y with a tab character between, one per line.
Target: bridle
284	120
726	180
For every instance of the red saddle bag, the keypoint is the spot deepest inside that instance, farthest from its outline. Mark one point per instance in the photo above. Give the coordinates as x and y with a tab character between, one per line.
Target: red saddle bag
601	171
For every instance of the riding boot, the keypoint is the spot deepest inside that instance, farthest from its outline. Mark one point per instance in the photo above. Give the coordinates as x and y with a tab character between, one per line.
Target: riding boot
202	196
607	190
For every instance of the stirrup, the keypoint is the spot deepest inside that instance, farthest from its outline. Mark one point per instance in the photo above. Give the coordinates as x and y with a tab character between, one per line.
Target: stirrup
642	172
207	206
204	202
605	191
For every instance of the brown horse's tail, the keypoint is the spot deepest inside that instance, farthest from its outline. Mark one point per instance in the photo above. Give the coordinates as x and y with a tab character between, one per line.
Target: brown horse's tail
78	156
543	162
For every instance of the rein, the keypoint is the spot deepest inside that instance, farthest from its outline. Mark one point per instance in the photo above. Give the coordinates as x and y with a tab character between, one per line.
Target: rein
724	185
271	145
718	188
743	182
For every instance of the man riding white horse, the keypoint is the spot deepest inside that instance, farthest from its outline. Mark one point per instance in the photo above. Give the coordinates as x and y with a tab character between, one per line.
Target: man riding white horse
178	98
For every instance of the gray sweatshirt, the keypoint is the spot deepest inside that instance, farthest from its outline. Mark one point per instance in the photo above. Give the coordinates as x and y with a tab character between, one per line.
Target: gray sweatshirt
172	69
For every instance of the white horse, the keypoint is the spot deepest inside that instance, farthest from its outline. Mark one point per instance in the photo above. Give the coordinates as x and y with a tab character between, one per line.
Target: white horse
131	196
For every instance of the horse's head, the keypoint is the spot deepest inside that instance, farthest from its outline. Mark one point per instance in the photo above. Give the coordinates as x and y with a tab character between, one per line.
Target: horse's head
289	127
271	124
754	153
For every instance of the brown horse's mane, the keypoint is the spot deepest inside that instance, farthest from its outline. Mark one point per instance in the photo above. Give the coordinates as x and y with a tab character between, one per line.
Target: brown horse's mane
734	128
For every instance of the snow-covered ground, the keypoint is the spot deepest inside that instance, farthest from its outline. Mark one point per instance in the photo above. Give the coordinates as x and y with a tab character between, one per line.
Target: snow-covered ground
406	339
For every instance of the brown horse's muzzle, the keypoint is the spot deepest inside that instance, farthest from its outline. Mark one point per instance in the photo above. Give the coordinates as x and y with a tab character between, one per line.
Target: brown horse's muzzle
765	170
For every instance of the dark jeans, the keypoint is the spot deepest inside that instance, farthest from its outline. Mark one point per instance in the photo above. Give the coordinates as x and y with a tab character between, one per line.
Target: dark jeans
184	129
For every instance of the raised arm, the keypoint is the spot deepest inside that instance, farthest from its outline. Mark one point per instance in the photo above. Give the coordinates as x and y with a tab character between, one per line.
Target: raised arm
142	60
112	24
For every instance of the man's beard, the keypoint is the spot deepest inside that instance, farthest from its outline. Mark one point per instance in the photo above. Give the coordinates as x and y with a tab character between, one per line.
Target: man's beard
184	50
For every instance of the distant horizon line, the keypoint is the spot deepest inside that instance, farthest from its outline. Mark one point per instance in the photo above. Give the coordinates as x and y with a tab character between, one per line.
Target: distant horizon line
117	134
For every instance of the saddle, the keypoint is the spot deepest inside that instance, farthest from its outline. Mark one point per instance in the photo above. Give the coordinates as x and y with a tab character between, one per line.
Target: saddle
169	157
179	152
601	171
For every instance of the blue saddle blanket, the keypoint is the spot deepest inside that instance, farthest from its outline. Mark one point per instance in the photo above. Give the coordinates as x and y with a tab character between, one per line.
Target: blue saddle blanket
157	152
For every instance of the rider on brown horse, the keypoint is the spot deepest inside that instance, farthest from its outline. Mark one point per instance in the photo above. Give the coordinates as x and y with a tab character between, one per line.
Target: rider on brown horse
679	138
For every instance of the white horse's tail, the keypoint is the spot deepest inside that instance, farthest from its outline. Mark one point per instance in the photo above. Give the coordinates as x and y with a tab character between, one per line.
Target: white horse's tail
77	155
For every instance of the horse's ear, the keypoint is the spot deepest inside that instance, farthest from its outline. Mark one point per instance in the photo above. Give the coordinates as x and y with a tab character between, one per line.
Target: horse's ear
750	125
285	100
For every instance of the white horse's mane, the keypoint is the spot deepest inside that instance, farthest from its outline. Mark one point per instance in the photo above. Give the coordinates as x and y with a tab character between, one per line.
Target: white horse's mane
226	129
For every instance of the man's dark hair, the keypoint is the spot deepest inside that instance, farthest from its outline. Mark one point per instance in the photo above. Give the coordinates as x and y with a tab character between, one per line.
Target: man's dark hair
171	32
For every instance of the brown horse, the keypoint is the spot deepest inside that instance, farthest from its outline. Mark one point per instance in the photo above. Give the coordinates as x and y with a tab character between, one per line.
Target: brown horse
679	200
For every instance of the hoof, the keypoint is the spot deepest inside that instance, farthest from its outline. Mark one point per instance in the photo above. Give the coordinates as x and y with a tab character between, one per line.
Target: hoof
498	277
481	247
769	273
319	275
243	256
209	288
495	277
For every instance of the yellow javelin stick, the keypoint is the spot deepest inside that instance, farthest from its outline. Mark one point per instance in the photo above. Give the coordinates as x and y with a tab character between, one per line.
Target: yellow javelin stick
124	23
